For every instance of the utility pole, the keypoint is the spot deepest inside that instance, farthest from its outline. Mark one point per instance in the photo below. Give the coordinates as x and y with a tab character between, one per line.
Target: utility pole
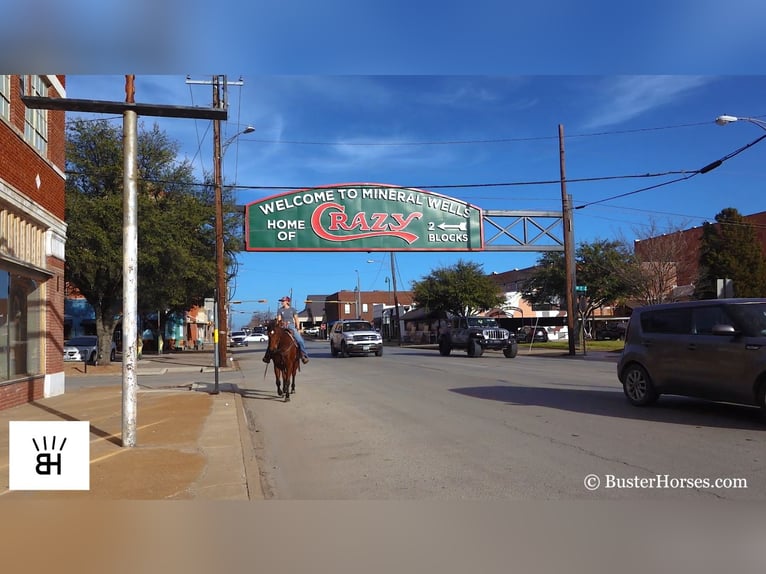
569	259
396	299
129	267
220	102
220	272
358	296
130	110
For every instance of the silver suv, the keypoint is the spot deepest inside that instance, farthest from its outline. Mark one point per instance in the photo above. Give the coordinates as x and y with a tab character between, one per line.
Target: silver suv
354	337
711	349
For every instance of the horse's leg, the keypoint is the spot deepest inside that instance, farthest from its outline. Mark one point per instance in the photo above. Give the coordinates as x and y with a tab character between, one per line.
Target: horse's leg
286	384
276	377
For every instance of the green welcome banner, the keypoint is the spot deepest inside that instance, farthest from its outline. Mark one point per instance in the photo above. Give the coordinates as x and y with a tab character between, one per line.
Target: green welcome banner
362	217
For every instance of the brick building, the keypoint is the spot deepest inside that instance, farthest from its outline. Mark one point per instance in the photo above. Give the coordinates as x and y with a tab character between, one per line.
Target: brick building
687	244
32	240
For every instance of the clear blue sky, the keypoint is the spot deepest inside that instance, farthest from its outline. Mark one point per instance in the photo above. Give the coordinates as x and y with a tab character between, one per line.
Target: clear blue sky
439	130
349	91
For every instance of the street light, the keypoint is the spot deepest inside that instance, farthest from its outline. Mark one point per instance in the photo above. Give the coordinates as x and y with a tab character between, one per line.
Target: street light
723	120
228	142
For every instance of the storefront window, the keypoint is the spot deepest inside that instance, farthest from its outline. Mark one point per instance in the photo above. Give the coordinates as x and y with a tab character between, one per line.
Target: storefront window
20	326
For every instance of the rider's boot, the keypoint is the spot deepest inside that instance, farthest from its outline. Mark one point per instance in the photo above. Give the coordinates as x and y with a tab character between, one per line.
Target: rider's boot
267	356
304	358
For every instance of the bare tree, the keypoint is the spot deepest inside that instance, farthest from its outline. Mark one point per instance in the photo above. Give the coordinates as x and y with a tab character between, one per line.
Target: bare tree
660	259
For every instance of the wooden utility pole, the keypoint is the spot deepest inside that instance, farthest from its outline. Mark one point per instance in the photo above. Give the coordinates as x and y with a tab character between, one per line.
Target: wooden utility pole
569	259
220	102
220	268
396	299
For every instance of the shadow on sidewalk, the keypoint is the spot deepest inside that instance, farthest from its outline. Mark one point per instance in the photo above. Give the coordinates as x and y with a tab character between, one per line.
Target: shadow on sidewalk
94	430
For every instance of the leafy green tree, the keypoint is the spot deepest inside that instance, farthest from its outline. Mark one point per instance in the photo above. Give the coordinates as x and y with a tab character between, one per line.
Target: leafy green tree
462	289
602	266
176	239
730	249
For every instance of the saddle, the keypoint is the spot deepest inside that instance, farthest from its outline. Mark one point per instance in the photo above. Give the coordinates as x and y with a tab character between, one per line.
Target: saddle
290	334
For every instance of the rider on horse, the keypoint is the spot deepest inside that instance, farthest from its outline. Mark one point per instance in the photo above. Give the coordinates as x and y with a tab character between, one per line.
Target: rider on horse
289	318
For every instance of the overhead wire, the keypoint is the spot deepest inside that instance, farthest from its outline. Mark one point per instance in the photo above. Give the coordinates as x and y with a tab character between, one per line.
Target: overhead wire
709	167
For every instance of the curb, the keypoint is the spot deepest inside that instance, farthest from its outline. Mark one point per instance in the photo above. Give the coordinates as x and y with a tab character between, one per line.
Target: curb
252	470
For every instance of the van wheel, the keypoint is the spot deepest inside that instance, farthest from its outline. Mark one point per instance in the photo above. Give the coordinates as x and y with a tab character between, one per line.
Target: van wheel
638	386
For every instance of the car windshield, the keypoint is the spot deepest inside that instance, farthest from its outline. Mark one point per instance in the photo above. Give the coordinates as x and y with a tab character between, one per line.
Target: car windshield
357	326
239	334
81	341
482	322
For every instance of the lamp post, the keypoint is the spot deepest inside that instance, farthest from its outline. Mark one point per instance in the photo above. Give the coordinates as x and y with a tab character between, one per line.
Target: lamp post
221	296
724	120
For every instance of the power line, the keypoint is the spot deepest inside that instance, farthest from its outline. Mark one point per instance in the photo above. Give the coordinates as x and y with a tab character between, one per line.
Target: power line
476	141
709	167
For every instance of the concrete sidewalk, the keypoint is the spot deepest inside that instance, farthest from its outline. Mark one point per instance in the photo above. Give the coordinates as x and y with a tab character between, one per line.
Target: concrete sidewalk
190	443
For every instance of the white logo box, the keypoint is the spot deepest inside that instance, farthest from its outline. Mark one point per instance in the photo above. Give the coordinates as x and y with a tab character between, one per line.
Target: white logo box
49	455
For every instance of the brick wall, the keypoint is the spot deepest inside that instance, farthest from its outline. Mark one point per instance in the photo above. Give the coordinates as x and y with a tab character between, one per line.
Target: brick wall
20	168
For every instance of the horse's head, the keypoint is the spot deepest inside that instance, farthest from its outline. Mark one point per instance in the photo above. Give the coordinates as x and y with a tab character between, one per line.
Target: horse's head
275	330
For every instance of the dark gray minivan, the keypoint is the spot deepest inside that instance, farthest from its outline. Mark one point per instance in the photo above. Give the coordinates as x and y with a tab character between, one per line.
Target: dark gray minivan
712	349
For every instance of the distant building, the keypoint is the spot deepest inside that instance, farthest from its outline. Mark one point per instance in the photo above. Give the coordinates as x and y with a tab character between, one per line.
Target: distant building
32	241
687	264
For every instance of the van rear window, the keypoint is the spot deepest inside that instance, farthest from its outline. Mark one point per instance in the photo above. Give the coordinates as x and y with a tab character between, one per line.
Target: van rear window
668	321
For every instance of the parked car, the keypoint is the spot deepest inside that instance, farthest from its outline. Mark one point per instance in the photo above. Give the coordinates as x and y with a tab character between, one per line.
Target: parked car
609	332
238	339
256	338
85	349
355	337
524	334
711	349
313	331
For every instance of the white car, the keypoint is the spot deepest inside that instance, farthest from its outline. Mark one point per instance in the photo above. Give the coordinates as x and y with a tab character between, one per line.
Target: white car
85	348
256	338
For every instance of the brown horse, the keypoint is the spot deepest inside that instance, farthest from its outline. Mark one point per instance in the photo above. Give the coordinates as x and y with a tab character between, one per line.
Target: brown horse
286	358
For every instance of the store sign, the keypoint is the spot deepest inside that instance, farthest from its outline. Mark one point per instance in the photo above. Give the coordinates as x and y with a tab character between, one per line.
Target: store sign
362	217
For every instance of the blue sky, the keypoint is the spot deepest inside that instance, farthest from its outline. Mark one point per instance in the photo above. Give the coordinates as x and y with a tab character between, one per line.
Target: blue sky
443	130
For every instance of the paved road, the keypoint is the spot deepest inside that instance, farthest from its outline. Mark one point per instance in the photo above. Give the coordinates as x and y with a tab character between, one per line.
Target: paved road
414	425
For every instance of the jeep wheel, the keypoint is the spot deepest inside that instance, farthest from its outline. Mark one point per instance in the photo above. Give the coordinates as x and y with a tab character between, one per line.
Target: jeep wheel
638	386
445	348
474	349
511	351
